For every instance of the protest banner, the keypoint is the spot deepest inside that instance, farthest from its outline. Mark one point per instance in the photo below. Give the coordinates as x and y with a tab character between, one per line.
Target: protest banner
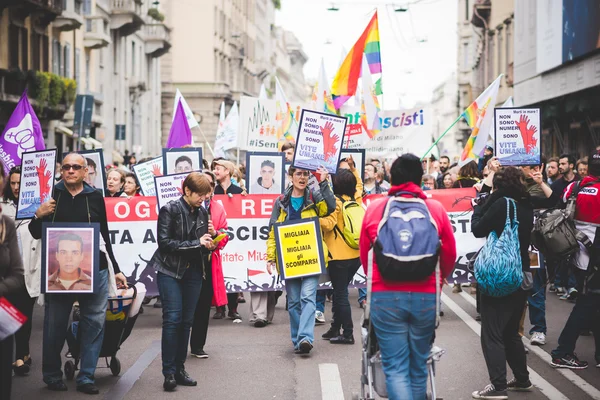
37	181
402	131
146	172
168	188
518	136
356	137
258	124
299	248
132	232
320	139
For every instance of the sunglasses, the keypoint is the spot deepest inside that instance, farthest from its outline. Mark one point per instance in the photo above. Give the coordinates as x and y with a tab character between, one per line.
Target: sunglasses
75	167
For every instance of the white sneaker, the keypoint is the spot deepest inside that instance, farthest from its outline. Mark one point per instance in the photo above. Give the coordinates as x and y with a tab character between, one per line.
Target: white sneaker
538	338
319	317
560	290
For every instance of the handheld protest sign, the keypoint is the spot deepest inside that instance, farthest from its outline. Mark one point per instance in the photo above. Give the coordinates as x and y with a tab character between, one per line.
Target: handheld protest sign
146	172
320	139
37	181
258	124
299	248
96	176
168	188
265	173
518	136
178	161
358	155
70	257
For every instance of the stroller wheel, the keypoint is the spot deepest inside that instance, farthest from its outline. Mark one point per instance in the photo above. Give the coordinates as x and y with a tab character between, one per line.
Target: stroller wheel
115	366
70	370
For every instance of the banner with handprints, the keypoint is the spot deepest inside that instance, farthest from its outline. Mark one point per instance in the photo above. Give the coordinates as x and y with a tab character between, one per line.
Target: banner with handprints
37	181
320	139
518	134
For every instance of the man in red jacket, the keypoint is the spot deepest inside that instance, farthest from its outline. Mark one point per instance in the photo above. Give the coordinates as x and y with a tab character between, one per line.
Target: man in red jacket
404	313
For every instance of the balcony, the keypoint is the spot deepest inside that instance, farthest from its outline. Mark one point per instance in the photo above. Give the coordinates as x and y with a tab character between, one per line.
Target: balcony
158	40
45	10
71	17
96	34
481	13
126	16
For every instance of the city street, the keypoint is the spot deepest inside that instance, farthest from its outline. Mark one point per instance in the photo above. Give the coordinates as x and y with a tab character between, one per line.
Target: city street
250	363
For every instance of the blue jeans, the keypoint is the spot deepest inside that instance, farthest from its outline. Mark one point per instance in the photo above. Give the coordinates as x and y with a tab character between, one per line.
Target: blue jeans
537	302
302	293
90	331
565	276
404	323
179	298
362	294
321	297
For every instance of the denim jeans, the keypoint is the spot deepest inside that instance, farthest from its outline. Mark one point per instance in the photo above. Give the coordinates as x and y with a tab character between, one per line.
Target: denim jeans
321	297
362	294
537	302
179	298
582	316
90	332
565	276
404	324
341	273
301	294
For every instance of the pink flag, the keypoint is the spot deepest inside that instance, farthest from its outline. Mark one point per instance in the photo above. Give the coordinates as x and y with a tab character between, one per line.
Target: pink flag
180	134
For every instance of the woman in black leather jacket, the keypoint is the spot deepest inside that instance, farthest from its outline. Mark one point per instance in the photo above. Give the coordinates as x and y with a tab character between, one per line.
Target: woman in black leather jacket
184	245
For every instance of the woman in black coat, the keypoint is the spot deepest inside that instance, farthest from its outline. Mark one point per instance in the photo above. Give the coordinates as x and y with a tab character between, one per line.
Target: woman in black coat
500	316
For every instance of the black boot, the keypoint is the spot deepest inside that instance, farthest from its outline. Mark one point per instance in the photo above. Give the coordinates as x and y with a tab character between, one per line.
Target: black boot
331	333
184	379
170	383
342	340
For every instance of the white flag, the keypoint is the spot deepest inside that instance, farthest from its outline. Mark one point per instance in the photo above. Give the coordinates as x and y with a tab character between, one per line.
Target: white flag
263	92
227	134
189	115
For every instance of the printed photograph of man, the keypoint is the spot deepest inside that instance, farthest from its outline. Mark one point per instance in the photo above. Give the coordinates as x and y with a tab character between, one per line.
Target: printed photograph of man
90	178
183	164
266	183
70	275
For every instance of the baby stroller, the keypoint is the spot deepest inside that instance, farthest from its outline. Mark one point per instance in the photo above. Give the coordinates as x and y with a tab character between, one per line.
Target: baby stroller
121	314
372	376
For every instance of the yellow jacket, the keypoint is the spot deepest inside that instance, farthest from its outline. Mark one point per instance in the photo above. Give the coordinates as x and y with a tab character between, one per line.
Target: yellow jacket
337	247
320	204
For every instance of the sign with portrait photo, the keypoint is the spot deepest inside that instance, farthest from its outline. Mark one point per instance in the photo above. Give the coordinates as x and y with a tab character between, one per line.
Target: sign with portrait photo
178	161
70	257
358	155
37	181
168	188
265	173
96	176
299	248
518	136
320	139
146	172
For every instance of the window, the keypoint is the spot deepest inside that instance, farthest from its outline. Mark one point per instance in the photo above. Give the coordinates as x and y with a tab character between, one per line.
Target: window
45	53
500	48
77	67
490	60
24	49
35	51
67	60
78	6
87	7
55	57
467	10
508	49
87	71
465	65
133	56
115	53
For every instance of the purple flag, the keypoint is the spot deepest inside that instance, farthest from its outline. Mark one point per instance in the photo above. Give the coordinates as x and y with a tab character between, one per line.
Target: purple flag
180	134
23	133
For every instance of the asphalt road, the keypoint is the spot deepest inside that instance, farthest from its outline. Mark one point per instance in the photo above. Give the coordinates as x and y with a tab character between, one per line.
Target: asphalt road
250	363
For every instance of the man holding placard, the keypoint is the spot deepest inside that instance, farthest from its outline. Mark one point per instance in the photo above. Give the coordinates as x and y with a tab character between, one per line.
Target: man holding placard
295	248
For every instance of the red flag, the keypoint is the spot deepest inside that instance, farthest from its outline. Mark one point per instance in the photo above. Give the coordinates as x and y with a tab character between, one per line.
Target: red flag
253	272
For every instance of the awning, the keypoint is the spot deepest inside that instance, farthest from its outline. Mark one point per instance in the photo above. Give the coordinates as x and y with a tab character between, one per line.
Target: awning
97	144
63	130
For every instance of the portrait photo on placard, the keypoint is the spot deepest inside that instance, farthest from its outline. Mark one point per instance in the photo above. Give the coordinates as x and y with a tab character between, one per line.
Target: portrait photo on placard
69	258
357	155
96	172
265	173
177	161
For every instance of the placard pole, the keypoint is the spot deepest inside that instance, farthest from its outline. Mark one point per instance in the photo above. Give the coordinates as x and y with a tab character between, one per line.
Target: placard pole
441	136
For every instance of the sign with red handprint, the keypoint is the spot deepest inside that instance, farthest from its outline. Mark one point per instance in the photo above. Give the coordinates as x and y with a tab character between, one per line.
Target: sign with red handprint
517	136
146	172
168	188
320	139
37	181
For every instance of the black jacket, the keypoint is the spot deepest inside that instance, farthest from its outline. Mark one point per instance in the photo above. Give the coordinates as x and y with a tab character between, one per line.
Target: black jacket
178	233
11	265
491	216
75	209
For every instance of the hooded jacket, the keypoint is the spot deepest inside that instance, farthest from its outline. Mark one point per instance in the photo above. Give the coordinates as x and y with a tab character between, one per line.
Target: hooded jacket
87	206
217	215
368	237
316	204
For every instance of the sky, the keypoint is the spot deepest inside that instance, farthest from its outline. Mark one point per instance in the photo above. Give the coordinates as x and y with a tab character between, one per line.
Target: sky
418	47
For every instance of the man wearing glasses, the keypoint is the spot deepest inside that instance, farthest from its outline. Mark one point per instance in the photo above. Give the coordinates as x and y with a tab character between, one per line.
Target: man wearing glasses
76	201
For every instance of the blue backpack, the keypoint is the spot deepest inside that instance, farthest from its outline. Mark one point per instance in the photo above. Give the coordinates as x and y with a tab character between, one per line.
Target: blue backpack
498	267
408	243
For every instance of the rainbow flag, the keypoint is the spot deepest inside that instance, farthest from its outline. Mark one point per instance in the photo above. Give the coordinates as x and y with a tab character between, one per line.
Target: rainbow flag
345	81
287	128
370	108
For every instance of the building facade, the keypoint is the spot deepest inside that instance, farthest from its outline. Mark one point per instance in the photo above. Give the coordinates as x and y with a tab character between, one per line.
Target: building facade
444	108
110	49
225	57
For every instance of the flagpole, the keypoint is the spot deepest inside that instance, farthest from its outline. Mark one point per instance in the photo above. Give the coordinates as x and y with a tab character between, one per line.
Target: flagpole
206	140
441	136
